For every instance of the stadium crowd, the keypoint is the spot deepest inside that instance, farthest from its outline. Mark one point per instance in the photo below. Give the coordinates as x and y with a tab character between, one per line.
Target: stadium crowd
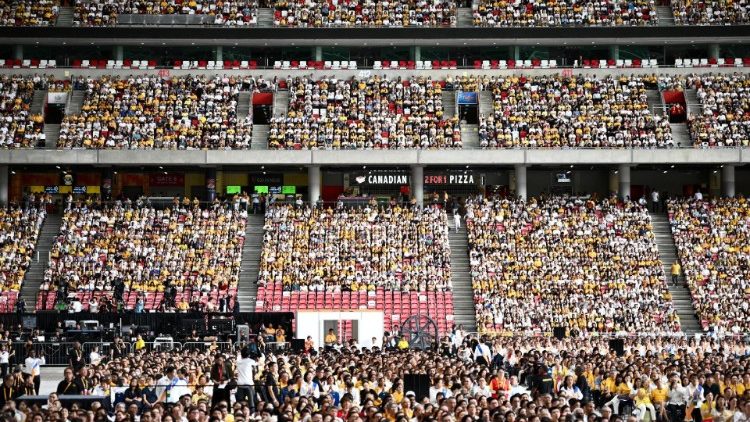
713	242
28	12
19	128
375	112
358	13
151	112
572	111
19	231
121	248
356	249
500	380
501	13
225	12
689	12
725	101
579	263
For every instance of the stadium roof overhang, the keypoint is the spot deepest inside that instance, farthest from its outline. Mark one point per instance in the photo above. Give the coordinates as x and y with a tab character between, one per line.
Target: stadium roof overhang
375	36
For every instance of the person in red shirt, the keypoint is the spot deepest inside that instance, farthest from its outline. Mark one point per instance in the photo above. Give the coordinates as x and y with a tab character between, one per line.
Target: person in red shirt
499	385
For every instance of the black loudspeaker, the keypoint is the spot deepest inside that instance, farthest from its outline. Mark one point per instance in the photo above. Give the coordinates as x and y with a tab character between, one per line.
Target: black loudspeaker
559	332
617	345
419	384
298	345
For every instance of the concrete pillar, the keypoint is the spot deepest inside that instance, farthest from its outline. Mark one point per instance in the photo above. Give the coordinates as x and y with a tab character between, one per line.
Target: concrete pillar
119	52
516	52
624	173
417	53
614	52
18	52
313	184
4	185
714	52
219	53
521	181
211	184
417	184
318	53
727	181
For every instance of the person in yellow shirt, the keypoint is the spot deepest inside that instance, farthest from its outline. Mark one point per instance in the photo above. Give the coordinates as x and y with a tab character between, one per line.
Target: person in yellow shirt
676	271
330	340
402	343
140	344
643	401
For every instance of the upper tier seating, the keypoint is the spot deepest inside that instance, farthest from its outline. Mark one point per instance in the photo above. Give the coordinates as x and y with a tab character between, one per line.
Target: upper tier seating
361	13
28	12
19	231
725	117
148	112
575	111
699	12
223	12
197	251
376	112
531	13
576	263
713	242
394	259
18	127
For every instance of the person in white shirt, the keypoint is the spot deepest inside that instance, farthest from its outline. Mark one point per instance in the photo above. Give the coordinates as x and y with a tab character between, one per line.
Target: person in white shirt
481	389
76	306
482	353
33	366
245	381
94	357
698	196
457	220
5	356
165	387
677	398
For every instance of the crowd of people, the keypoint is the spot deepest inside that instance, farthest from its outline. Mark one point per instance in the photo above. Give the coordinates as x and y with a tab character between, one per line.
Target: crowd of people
28	12
701	12
373	112
151	112
358	13
713	242
19	231
725	116
501	380
577	263
118	249
225	12
19	128
572	111
502	13
356	249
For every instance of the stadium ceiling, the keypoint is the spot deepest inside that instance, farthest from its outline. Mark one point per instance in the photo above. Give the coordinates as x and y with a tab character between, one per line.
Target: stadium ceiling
377	36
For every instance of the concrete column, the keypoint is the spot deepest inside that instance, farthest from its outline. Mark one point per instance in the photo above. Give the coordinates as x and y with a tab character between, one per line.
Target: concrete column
313	184
18	52
219	53
417	50
211	184
119	52
516	52
714	52
417	184
521	181
4	185
727	181
614	52
318	53
624	173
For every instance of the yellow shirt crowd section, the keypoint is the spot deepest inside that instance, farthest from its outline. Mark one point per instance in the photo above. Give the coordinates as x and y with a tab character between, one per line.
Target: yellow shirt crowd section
713	242
147	249
578	263
148	112
376	112
356	249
